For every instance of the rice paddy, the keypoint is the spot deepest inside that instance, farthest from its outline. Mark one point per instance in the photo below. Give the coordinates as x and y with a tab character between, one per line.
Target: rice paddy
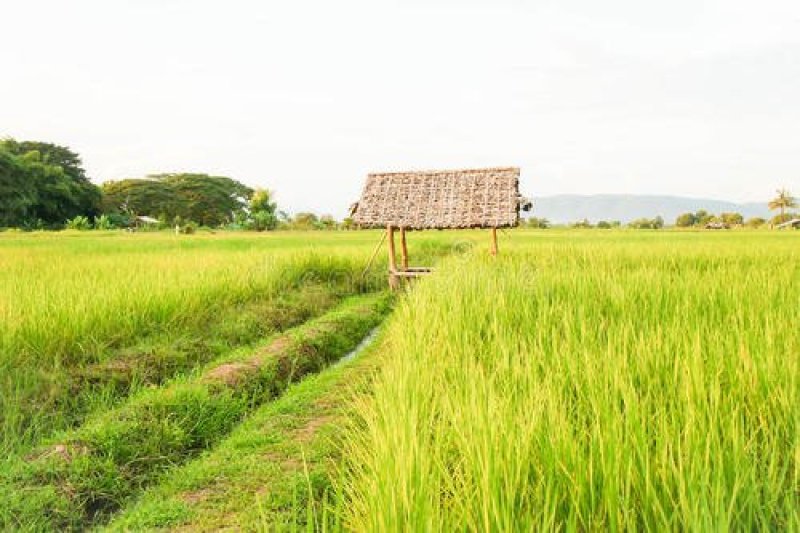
582	380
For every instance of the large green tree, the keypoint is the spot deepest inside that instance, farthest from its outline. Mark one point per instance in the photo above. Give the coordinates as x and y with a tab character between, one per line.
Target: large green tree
63	190
207	200
17	191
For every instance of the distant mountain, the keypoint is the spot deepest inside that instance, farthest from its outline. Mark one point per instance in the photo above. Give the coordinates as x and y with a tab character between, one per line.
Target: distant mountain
565	208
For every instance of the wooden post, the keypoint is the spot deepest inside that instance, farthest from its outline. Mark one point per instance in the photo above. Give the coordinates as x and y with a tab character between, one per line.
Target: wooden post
493	246
393	281
403	249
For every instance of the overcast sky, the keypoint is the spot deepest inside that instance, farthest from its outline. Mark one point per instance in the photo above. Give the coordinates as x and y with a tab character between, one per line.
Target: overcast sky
686	97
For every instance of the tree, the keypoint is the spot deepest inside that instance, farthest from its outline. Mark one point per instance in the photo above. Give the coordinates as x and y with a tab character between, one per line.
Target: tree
780	219
262	211
755	222
207	200
603	224
703	217
732	219
17	191
582	224
327	222
539	223
139	196
44	184
783	201
647	223
305	220
686	220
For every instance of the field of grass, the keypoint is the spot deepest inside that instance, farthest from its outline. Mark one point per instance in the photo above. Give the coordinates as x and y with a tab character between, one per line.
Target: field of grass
589	381
581	380
110	312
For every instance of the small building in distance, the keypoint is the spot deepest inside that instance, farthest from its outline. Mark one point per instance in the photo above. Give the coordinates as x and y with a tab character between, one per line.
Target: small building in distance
716	225
438	199
793	223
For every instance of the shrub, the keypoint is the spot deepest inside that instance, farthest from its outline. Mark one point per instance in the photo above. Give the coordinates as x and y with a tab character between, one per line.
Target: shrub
686	220
80	222
582	224
647	223
261	221
539	223
188	228
103	222
780	219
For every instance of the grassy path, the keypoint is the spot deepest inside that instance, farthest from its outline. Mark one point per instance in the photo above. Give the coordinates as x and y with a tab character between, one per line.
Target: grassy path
86	474
269	471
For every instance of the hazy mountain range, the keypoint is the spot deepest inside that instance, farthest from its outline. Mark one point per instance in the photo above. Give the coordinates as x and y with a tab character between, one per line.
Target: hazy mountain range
565	208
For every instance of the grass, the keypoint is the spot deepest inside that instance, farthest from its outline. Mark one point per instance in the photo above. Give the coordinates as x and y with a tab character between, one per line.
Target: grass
582	380
268	473
73	303
85	474
642	381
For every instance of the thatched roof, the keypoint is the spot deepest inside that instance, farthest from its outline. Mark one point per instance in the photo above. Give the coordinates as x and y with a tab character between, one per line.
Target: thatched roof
441	199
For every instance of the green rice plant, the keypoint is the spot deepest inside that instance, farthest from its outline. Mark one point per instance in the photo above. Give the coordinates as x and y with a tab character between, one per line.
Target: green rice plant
588	382
71	304
82	476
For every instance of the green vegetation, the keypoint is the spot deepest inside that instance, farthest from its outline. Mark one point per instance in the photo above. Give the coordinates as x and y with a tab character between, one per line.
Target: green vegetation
262	211
299	435
200	198
702	218
647	223
622	381
82	475
783	201
538	223
581	380
73	304
43	185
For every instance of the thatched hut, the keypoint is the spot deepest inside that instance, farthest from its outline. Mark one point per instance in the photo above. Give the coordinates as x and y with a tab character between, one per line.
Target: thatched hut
439	199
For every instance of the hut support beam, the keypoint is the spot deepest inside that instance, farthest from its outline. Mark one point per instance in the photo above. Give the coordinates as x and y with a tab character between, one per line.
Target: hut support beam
394	281
403	249
493	245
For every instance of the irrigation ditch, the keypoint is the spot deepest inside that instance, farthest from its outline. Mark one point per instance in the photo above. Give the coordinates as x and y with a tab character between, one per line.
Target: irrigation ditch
81	477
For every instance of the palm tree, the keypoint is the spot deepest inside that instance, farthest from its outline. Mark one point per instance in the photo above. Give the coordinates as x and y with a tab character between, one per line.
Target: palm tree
783	201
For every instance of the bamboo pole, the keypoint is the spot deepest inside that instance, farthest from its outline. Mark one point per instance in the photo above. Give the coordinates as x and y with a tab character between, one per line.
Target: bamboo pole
393	281
372	257
493	246
403	249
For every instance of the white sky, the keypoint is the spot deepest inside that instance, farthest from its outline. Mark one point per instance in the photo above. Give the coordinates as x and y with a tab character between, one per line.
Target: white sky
687	97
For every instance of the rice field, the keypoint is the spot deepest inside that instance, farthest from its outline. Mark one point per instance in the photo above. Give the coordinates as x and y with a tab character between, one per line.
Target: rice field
589	382
582	380
73	304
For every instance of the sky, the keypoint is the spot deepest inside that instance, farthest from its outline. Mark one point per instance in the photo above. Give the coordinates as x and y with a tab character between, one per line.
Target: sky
688	97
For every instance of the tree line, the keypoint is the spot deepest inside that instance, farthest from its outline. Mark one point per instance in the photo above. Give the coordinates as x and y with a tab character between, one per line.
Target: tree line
782	202
44	186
